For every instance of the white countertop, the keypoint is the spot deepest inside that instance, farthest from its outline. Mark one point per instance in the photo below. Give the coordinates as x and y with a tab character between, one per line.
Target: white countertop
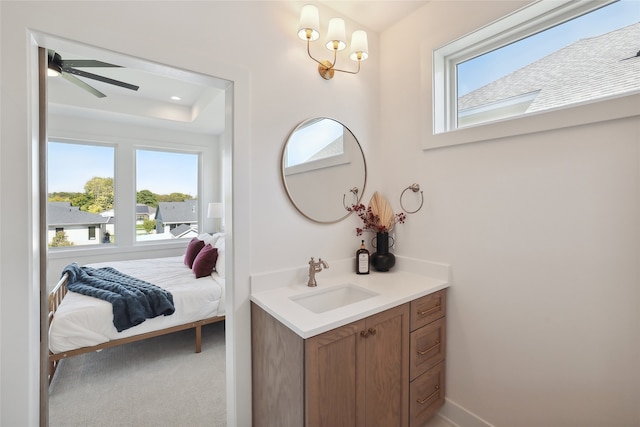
408	280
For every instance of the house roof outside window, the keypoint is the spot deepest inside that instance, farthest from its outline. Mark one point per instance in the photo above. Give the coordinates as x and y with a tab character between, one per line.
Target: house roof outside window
178	212
591	68
63	214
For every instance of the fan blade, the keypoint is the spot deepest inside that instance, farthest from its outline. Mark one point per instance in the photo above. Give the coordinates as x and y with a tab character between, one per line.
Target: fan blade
86	63
100	78
76	81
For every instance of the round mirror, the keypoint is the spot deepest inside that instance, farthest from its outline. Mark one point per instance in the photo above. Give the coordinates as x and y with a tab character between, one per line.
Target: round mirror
323	169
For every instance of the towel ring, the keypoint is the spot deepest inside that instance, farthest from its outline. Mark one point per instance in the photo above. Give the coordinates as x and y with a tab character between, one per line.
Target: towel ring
354	191
415	188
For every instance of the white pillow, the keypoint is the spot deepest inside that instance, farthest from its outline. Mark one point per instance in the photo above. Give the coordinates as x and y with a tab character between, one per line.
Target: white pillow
210	239
221	258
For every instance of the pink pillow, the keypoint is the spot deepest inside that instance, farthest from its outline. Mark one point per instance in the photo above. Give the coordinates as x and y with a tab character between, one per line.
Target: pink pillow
205	262
195	246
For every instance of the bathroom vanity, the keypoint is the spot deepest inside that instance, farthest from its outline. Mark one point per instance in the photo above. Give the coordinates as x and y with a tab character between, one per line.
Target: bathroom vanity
355	351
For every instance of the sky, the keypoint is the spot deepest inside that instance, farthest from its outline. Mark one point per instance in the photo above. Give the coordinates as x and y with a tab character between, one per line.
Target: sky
307	141
157	171
164	172
482	70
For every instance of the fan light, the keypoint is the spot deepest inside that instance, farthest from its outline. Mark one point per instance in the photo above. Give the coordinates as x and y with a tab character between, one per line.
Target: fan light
54	69
308	30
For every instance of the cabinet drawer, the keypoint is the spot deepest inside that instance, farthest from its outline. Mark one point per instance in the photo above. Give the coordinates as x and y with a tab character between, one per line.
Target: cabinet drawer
428	347
428	308
426	395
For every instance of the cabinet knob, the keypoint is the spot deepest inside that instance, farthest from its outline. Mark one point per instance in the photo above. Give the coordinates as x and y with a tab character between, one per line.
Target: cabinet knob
370	331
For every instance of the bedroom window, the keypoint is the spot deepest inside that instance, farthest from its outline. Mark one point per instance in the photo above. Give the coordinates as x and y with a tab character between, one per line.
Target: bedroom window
80	192
166	194
549	55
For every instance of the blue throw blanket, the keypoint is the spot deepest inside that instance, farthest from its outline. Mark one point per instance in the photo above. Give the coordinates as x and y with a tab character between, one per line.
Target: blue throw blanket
133	300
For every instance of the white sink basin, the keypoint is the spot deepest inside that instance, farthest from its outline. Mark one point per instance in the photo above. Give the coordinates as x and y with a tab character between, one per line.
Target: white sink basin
334	297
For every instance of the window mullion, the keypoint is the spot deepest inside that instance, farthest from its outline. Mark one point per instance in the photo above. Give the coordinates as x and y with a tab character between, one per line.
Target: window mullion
125	195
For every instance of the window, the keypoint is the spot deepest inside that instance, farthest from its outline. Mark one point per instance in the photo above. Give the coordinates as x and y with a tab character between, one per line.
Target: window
166	189
549	55
80	193
83	188
314	145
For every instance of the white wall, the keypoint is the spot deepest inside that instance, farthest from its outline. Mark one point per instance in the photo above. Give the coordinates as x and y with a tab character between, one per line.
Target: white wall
278	87
543	233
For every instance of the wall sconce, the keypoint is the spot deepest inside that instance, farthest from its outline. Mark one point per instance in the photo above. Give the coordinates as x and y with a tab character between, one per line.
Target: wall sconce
215	211
308	30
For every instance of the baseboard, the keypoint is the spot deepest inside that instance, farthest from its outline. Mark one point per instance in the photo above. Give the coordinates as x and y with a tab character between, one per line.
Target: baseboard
460	417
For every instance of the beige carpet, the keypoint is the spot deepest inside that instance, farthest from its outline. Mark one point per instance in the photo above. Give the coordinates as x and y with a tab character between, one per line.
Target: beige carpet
157	382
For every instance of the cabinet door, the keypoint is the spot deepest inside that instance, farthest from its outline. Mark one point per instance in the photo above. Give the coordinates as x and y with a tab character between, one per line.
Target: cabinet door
386	377
334	377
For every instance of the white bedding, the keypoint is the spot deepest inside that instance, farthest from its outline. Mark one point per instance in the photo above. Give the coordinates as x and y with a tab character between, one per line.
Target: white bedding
82	321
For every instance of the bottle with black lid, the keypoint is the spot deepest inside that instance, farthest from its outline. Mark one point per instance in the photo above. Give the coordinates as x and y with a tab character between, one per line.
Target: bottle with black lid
362	260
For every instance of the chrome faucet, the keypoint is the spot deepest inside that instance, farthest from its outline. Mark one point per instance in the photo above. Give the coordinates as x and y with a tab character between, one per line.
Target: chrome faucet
315	267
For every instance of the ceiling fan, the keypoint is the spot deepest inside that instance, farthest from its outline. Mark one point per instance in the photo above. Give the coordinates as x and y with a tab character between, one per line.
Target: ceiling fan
67	69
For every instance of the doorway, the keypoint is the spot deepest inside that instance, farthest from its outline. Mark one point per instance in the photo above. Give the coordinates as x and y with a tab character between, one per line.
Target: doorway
77	103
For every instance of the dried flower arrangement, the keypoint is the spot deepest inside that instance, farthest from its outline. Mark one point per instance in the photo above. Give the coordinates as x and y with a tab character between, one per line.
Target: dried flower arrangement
378	217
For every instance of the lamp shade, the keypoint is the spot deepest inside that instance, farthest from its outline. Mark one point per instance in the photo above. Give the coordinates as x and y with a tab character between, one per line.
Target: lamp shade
214	210
336	33
309	23
359	45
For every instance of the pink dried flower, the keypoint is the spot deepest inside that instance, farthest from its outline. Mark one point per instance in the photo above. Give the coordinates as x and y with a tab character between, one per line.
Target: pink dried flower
371	221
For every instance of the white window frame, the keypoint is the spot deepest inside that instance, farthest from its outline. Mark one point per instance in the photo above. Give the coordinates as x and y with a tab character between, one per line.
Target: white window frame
125	191
93	246
524	22
169	148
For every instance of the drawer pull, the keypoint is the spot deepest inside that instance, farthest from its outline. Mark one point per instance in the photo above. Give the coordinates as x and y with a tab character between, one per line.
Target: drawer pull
423	352
429	310
428	398
370	331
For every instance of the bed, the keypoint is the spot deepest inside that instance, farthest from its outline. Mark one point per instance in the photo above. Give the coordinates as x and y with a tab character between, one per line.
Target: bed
80	323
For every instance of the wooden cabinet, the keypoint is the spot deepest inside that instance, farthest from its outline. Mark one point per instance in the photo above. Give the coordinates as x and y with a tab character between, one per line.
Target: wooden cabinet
356	375
278	372
427	357
384	370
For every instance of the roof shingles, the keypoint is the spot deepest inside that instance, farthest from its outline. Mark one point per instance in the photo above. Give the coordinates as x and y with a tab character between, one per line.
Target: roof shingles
606	65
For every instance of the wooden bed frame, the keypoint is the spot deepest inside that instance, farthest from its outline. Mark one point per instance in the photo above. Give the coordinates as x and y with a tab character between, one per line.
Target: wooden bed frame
55	298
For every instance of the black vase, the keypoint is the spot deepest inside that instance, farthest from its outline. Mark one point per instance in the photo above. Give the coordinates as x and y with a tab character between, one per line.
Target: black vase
382	259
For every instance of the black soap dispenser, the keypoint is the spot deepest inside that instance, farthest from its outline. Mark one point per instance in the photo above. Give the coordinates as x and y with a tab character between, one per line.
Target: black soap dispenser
362	260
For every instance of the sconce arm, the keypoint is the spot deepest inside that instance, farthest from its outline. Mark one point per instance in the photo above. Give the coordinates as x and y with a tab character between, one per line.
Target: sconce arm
327	68
350	72
322	63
